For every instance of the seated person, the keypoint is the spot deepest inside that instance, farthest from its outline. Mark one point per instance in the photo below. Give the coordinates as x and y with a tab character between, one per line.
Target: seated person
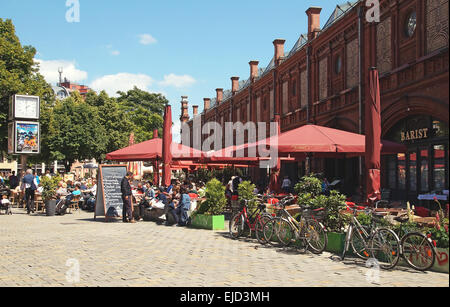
183	207
62	190
83	186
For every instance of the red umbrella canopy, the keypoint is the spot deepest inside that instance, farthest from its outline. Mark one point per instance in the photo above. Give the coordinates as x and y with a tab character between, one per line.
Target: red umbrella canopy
152	150
312	138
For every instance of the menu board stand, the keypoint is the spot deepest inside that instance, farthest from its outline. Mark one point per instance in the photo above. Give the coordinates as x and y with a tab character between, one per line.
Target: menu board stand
109	194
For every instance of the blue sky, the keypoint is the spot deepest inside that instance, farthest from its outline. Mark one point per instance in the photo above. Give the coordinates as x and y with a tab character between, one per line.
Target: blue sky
175	47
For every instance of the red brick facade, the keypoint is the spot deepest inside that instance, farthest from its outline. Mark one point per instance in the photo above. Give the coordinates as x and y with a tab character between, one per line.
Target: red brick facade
319	82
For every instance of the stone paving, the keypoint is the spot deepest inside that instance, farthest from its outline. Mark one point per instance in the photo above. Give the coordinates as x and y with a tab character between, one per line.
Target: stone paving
38	251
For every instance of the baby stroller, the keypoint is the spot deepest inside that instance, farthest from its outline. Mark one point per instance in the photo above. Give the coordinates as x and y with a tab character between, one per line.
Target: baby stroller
5	205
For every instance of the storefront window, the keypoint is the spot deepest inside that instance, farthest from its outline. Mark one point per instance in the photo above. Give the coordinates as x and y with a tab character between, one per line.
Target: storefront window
439	167
392	169
401	171
424	170
413	171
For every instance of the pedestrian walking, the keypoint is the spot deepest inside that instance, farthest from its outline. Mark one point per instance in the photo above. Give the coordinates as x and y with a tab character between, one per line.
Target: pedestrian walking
125	188
30	186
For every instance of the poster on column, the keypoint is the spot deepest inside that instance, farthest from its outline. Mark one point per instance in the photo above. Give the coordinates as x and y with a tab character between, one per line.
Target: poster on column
109	202
26	137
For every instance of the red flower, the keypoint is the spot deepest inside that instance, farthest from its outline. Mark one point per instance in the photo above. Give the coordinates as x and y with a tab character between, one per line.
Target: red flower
437	217
446	228
435	198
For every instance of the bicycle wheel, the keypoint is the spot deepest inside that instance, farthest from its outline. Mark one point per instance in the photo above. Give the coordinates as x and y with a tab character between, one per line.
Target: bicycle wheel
285	232
358	242
270	231
317	237
418	251
385	247
236	226
259	228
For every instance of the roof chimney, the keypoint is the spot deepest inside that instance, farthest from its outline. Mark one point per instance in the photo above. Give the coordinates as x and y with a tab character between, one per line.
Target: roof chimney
313	21
279	49
234	84
219	92
195	110
253	69
207	104
184	109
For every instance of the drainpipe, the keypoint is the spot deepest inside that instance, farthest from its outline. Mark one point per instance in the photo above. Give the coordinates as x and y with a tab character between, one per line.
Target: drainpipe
308	76
360	85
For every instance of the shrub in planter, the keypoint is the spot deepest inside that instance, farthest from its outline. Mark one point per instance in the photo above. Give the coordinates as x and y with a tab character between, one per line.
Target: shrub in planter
245	190
309	185
333	204
215	199
50	185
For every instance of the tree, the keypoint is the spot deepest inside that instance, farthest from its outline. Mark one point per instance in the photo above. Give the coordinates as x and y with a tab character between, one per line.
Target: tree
19	74
76	131
145	111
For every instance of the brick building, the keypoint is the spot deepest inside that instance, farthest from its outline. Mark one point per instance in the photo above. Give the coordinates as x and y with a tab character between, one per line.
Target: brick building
322	80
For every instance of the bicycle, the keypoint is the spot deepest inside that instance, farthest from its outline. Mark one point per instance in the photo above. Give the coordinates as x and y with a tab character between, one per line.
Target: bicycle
381	244
255	222
308	230
416	248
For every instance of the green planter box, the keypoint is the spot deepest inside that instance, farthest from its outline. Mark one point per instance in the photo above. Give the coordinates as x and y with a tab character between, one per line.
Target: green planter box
210	222
336	242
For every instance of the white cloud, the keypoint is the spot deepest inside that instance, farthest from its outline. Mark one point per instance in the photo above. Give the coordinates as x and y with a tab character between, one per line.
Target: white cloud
49	69
177	81
115	52
147	39
121	82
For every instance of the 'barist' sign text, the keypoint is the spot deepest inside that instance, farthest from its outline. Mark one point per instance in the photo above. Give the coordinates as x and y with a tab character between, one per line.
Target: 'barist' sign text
412	135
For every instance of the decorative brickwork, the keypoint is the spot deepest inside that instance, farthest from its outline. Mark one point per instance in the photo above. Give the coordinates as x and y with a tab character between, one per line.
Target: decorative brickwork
384	50
285	93
352	63
437	24
303	89
323	78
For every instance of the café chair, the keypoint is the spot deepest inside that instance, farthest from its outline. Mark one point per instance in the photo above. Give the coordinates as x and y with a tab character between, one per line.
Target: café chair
75	203
39	202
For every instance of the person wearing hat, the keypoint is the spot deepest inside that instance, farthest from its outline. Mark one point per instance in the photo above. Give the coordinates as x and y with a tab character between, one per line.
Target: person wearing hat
125	188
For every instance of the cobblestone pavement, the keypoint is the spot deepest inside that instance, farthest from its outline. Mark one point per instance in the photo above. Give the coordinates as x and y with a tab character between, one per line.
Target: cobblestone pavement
35	251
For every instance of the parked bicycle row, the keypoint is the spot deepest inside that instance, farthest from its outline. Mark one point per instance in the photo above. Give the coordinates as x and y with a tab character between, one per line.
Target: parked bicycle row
305	231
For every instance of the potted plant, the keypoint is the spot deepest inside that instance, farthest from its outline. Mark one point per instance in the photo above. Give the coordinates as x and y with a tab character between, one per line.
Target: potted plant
209	215
50	185
334	221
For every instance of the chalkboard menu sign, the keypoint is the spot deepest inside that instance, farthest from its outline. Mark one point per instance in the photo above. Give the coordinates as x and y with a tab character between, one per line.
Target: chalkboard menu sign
109	196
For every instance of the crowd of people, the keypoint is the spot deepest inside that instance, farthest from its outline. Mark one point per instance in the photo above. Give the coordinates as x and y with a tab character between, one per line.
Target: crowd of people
25	191
174	202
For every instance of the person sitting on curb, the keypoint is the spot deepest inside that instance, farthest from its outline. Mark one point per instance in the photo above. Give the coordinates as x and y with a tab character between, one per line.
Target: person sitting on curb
183	207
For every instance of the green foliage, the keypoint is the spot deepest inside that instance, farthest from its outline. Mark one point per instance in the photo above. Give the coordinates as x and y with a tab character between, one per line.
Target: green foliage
203	175
440	235
309	185
333	205
246	192
50	185
145	111
19	75
76	132
215	199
